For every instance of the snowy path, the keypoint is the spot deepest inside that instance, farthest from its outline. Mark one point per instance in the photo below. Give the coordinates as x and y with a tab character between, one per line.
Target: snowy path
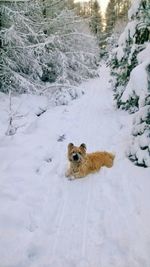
102	220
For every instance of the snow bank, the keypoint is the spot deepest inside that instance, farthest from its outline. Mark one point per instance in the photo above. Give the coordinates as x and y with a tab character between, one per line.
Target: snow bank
62	95
24	110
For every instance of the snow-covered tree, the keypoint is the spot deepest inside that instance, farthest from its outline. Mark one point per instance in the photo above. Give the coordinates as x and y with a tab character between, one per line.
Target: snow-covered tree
116	12
130	64
96	18
110	17
115	20
138	89
45	51
133	40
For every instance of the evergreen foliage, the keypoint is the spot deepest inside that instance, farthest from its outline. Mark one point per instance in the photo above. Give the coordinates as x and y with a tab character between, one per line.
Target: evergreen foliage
110	17
124	59
96	19
130	65
116	10
114	20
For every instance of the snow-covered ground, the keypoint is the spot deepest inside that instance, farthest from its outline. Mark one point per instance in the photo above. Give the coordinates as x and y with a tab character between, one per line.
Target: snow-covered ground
102	220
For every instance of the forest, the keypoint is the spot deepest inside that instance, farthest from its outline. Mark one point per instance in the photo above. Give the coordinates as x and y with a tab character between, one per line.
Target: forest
74	74
49	47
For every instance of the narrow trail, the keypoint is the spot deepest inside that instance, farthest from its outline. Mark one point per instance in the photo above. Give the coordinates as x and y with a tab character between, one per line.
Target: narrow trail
99	221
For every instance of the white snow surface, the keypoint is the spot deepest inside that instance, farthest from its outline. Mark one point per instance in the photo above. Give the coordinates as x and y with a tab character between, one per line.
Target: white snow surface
134	8
120	53
128	31
144	55
48	221
138	84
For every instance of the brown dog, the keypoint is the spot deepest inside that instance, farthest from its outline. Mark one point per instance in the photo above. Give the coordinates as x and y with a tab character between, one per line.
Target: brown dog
82	163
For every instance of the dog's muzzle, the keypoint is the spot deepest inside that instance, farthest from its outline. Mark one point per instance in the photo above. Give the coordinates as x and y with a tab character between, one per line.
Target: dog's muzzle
75	157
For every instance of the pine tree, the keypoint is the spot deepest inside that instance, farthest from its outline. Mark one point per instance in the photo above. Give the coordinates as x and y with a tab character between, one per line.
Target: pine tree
96	19
111	17
114	21
116	9
130	43
130	65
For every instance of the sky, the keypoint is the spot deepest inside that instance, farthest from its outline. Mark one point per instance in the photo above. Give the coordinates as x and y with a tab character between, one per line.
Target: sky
103	4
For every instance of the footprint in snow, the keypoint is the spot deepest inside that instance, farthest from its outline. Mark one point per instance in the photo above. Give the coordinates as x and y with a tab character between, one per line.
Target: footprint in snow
61	138
39	170
33	253
48	160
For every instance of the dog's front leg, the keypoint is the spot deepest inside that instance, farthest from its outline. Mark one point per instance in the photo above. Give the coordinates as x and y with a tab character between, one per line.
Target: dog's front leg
69	175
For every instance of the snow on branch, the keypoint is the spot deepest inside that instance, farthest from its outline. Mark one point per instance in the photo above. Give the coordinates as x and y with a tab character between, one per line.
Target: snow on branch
40	52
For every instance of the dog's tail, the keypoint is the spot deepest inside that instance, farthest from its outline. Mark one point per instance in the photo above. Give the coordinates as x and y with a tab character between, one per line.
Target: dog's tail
109	160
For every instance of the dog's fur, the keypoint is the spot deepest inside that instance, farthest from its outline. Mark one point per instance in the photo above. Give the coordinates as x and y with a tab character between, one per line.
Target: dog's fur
82	163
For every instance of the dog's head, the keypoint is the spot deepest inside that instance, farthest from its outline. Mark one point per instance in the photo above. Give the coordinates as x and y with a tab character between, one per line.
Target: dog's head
76	154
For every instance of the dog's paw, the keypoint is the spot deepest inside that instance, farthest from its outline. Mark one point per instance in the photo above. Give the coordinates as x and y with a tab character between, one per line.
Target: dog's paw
71	178
67	173
77	176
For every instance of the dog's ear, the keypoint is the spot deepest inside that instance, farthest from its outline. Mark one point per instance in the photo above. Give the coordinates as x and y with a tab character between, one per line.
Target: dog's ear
83	146
70	145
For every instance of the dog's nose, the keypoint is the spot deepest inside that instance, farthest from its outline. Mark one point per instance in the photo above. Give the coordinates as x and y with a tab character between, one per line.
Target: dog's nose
75	157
